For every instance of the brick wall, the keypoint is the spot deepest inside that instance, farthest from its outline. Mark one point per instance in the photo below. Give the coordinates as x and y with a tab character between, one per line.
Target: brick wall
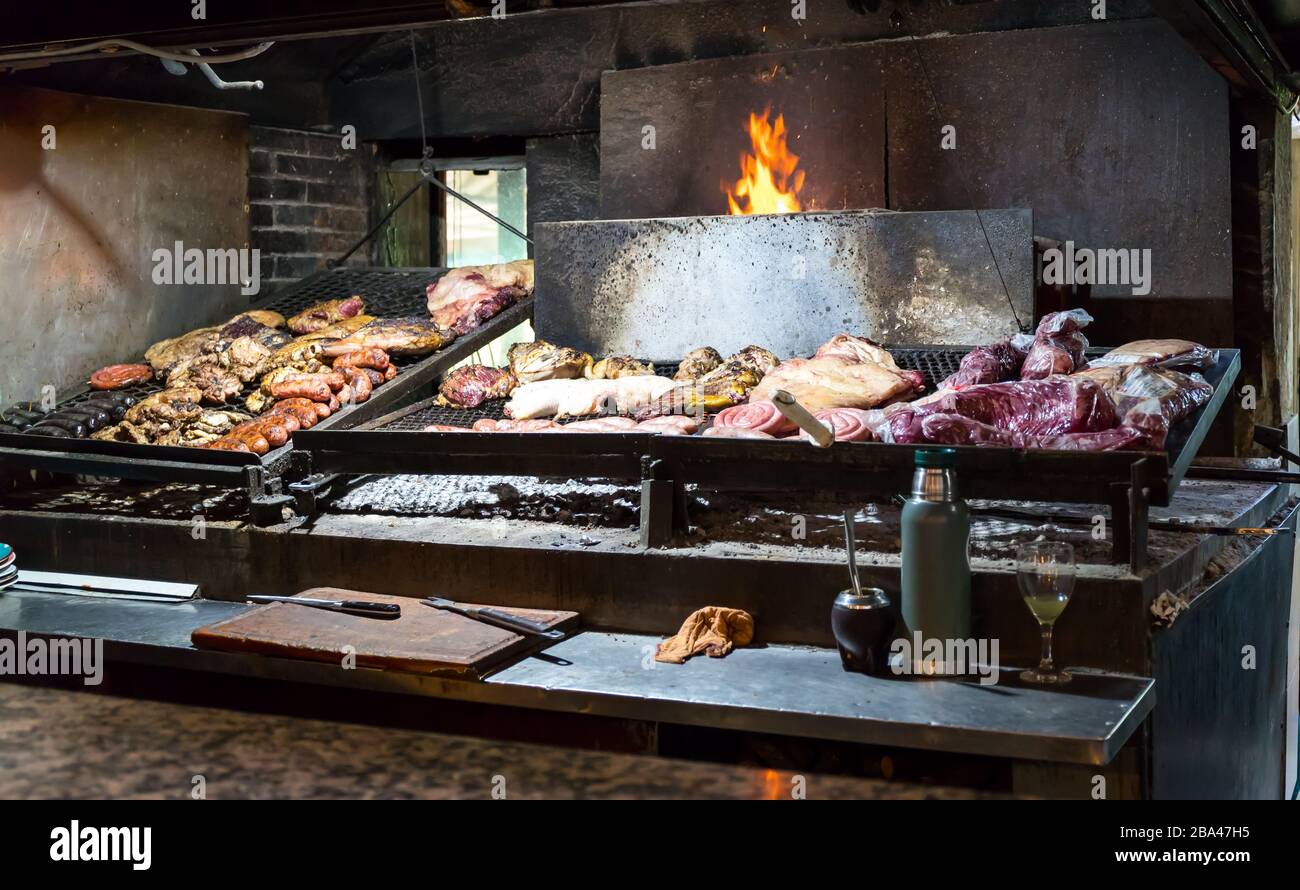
309	201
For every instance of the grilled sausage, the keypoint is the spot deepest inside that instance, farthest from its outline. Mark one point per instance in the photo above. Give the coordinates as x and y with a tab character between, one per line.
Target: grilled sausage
250	439
359	382
369	357
376	377
124	399
22	414
57	432
390	372
119	376
334	404
94	418
284	419
226	443
73	426
270	429
347	395
304	410
307	387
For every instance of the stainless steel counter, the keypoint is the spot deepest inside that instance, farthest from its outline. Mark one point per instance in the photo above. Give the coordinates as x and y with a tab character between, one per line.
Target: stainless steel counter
789	690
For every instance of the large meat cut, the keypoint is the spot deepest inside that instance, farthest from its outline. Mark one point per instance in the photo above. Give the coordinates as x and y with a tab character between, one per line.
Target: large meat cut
1059	345
836	381
570	398
467	296
1061	412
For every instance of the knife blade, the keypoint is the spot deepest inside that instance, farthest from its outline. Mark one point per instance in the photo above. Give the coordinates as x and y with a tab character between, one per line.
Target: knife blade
496	618
351	607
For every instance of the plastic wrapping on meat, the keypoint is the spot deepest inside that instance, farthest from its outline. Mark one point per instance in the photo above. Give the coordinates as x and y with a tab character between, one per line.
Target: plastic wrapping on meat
1160	354
1034	407
1059	345
994	363
907	427
1063	413
1177	394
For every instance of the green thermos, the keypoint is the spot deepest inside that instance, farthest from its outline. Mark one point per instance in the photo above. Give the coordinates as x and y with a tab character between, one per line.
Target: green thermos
936	551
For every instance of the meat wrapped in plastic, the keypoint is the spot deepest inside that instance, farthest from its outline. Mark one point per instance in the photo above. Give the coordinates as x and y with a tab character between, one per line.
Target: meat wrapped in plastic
1059	345
1161	354
994	363
1176	395
1067	413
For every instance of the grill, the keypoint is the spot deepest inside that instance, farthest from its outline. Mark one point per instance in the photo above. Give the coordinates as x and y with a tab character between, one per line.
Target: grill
935	364
388	292
1129	481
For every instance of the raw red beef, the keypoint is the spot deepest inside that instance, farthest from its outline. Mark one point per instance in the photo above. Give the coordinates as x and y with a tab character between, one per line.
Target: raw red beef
1059	345
988	364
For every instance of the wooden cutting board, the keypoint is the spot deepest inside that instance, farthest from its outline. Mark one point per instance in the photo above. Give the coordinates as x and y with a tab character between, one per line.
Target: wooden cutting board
424	640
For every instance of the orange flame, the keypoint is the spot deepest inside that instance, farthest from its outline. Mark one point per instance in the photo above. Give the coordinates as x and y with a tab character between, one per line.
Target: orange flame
769	182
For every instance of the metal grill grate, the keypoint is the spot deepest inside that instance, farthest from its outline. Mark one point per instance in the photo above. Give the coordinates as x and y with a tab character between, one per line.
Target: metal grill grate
494	409
388	293
936	363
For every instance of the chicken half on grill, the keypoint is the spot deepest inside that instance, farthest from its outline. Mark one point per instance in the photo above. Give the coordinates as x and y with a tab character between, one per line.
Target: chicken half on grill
616	366
396	336
464	298
539	360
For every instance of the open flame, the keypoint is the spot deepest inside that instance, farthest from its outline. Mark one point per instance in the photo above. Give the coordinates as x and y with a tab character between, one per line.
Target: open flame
769	182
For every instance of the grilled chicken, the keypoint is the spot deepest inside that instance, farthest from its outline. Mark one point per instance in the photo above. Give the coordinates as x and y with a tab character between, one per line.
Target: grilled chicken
464	298
758	359
697	363
322	315
617	366
396	336
162	412
218	384
539	360
167	354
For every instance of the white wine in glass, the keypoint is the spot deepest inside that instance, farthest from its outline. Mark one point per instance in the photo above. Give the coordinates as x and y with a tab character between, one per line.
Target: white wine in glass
1045	571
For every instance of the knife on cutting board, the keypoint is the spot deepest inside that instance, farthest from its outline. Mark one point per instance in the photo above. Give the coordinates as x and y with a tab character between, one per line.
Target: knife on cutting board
349	607
496	618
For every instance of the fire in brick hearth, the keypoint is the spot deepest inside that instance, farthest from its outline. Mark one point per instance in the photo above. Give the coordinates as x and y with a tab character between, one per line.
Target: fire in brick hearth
770	182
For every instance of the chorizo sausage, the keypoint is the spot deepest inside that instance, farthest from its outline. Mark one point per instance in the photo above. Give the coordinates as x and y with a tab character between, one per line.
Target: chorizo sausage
119	376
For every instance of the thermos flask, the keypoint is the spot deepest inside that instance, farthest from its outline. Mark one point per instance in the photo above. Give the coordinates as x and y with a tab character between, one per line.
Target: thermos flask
936	559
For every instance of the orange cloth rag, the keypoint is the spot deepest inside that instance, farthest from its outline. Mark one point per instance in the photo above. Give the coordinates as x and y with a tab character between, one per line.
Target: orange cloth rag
713	630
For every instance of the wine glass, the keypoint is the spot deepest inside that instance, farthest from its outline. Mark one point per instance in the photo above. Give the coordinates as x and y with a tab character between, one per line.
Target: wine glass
1045	571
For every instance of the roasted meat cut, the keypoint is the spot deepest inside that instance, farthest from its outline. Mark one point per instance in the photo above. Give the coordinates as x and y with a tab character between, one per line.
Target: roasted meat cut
413	335
616	366
471	385
322	315
567	398
539	360
836	381
697	363
465	297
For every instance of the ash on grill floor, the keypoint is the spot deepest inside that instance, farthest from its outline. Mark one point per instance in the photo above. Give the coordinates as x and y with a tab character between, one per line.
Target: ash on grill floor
586	503
151	499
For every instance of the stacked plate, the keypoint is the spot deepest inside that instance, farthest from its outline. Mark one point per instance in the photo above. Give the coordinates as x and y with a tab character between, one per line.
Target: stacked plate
8	570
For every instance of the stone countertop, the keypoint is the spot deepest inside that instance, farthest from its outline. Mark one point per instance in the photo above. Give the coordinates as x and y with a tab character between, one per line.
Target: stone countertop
64	744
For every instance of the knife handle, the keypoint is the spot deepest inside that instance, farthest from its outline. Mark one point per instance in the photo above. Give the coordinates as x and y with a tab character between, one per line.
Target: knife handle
516	623
371	610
